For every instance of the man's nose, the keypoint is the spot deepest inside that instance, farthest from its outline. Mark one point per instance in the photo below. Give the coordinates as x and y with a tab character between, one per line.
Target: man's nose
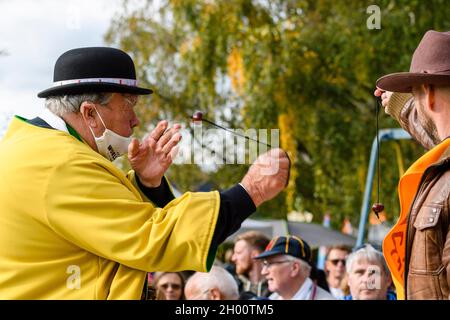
365	277
264	270
135	121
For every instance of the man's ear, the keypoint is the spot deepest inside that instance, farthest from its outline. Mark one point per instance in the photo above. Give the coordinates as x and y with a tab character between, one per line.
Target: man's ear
389	280
89	114
326	266
295	269
215	294
254	253
429	96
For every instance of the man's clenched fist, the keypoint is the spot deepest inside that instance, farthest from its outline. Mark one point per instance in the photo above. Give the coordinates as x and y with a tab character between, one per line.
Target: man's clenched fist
267	176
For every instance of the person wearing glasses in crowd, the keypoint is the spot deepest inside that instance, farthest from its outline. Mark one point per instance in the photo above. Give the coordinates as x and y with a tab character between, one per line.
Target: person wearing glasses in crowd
335	269
169	285
286	266
368	275
217	284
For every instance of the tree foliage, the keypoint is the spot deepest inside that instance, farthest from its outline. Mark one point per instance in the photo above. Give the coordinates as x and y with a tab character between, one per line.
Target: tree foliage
307	67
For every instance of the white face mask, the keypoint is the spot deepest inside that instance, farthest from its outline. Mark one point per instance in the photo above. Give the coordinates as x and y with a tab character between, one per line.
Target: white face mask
110	144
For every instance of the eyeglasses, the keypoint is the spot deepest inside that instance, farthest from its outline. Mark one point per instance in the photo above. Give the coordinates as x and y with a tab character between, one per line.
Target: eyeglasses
269	264
174	286
335	262
130	99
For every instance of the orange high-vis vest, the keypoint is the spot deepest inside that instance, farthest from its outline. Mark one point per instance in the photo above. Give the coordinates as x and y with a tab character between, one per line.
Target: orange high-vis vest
394	244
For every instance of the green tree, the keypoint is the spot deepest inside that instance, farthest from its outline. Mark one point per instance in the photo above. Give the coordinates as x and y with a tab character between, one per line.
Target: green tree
307	67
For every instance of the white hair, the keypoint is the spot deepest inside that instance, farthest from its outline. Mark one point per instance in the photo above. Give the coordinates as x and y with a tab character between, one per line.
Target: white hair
369	254
304	266
218	278
61	105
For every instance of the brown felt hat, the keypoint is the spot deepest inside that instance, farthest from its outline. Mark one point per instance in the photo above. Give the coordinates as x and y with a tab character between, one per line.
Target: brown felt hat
430	64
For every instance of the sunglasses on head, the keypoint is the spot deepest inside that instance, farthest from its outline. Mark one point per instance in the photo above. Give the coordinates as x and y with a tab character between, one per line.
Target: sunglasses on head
174	286
335	262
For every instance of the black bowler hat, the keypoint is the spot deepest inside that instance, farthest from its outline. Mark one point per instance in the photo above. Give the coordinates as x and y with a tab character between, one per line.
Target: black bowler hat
94	69
290	245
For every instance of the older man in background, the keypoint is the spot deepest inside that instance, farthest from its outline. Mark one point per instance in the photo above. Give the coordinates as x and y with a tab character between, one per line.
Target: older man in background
286	266
217	284
368	275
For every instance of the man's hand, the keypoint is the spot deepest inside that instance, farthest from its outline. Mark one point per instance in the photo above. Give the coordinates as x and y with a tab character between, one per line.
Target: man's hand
151	158
385	97
267	176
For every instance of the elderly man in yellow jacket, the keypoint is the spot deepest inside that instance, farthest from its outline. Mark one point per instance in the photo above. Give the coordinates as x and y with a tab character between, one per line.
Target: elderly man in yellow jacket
72	225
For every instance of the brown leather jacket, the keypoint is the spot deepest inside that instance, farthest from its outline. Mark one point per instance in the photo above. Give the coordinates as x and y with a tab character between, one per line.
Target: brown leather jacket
427	259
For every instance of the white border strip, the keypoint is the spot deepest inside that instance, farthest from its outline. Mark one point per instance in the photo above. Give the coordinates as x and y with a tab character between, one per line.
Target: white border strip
127	82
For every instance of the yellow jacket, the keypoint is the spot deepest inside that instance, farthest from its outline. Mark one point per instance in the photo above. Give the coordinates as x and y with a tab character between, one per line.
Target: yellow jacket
73	226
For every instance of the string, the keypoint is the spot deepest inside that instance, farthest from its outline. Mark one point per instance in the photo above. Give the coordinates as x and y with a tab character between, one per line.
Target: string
238	134
378	153
248	138
377	107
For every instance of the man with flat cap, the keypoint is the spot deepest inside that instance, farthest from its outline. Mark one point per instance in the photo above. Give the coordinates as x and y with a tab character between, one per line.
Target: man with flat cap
287	267
417	249
72	225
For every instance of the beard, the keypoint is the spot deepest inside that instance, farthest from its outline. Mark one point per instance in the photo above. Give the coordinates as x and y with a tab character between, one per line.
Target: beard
243	269
427	124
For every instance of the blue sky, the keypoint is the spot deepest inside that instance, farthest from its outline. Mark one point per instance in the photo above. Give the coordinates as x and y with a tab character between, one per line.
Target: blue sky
34	33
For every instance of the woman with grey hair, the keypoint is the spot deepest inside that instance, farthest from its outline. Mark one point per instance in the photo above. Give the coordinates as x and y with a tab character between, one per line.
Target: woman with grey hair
368	275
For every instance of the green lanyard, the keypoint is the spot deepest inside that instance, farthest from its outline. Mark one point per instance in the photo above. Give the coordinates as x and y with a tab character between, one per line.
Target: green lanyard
73	133
71	130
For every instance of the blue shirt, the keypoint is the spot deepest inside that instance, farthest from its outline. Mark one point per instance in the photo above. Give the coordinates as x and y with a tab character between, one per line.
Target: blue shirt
391	295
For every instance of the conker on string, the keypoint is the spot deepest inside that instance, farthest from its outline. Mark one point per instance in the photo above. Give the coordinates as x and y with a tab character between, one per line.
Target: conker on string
377	207
197	116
